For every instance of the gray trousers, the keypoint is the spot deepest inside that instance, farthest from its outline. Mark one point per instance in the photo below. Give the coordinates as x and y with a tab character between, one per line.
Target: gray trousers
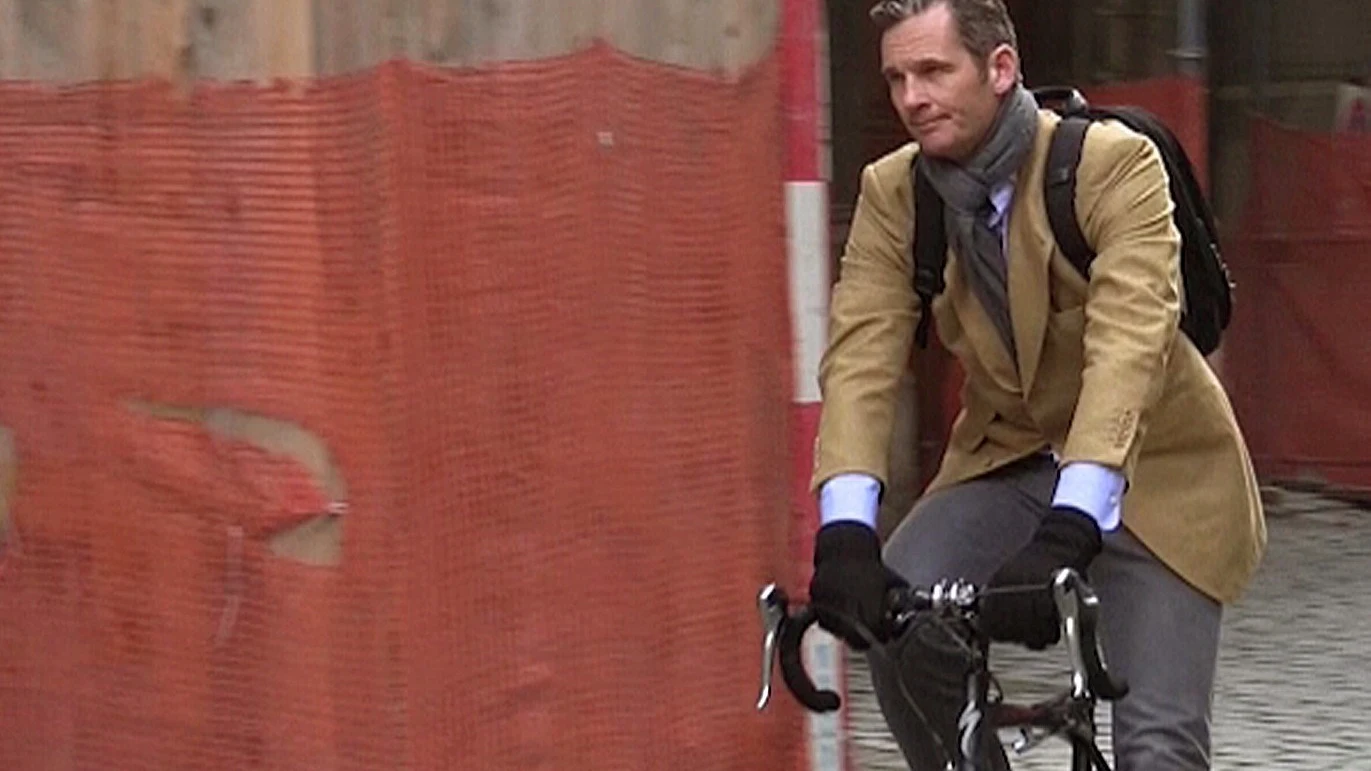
1157	631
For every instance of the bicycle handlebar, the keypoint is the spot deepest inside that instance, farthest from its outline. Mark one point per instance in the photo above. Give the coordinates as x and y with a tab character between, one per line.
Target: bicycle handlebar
1077	606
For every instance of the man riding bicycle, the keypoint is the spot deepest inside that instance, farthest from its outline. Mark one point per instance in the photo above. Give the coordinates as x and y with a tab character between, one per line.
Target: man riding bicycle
1093	435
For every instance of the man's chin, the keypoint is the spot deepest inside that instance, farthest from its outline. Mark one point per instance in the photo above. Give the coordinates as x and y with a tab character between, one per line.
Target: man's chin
934	146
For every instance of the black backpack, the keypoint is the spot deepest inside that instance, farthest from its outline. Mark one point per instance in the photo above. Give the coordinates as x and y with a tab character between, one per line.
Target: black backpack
1208	302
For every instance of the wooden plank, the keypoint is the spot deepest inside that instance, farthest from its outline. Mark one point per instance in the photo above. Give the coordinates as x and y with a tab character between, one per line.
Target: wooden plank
105	40
138	38
74	40
356	34
223	43
749	30
471	32
682	32
709	25
624	24
51	39
350	34
9	38
518	30
716	35
710	34
507	30
581	23
162	29
571	26
184	40
285	29
250	39
403	26
440	32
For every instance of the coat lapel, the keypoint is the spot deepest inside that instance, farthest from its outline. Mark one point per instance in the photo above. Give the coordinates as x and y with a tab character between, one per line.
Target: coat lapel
979	329
1030	254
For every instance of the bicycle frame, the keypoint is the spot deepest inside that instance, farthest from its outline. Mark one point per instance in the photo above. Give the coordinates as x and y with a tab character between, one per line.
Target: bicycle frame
954	605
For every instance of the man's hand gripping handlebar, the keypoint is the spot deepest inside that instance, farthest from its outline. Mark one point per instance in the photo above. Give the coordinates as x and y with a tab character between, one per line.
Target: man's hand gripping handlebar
956	602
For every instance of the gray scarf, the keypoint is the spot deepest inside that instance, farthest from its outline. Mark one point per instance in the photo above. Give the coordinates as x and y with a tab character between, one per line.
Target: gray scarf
965	190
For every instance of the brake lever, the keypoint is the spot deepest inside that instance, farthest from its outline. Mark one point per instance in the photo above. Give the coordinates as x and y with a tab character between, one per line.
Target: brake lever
782	634
1079	609
771	605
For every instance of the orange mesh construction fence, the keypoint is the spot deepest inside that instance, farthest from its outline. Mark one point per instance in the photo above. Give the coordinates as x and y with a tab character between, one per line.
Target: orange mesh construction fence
530	325
1299	357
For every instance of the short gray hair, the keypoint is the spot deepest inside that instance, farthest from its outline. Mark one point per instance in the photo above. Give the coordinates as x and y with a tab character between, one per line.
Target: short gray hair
982	24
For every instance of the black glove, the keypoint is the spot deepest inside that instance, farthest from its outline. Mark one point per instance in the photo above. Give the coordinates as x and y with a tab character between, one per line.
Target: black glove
1065	538
851	582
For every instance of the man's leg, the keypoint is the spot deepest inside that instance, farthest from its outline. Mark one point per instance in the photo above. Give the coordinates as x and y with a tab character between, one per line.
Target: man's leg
1163	636
966	532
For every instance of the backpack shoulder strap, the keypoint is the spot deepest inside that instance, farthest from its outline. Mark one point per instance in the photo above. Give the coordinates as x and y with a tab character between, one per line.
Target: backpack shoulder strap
930	249
1059	189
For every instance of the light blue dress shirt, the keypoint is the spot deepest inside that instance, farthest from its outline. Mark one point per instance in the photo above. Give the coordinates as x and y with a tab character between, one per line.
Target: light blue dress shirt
1089	487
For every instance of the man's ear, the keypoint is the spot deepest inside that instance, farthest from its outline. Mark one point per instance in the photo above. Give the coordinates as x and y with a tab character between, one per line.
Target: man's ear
1003	69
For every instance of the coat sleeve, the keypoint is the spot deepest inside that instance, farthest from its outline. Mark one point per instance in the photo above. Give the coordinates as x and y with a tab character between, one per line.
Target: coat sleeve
872	317
1132	307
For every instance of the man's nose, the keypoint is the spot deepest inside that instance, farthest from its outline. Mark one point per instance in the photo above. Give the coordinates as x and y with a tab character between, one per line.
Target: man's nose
911	96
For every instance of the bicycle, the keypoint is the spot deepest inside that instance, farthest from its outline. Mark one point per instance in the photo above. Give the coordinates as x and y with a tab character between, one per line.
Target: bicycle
954	605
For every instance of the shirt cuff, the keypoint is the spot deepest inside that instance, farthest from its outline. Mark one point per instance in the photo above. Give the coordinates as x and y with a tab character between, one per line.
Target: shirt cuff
1094	489
850	498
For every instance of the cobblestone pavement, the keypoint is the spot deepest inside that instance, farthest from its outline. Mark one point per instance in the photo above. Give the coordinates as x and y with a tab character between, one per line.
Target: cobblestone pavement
1294	681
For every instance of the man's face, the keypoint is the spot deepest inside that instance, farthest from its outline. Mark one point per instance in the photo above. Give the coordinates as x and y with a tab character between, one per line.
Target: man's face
946	99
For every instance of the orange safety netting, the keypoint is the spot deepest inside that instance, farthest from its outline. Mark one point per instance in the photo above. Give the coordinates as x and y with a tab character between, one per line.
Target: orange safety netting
536	314
1298	357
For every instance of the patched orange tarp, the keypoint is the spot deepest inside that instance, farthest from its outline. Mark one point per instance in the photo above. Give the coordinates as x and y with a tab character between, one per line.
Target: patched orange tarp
537	313
1299	357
